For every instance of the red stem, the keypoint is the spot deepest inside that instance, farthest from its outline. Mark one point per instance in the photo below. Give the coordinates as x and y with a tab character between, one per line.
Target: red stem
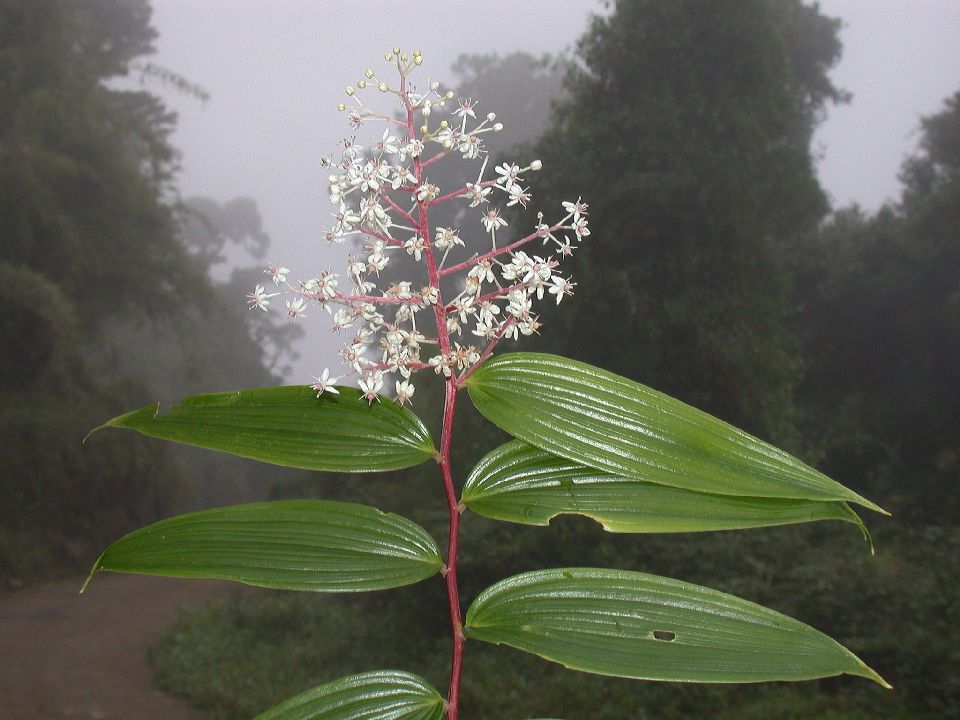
449	409
453	592
406	216
493	253
373	299
492	295
462	192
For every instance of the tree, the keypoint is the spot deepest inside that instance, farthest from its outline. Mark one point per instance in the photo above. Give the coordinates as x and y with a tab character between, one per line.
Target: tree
881	329
101	293
688	122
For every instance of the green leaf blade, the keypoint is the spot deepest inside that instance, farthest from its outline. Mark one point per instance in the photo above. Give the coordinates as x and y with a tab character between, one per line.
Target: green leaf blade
313	545
290	426
608	422
630	624
376	695
519	483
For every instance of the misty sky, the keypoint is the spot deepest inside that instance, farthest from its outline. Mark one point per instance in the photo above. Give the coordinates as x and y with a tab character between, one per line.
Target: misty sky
276	70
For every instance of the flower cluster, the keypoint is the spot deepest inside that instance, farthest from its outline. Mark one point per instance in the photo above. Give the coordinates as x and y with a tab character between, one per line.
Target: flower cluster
382	197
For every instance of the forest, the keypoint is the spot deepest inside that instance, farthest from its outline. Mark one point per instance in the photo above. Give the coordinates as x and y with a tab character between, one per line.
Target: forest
717	271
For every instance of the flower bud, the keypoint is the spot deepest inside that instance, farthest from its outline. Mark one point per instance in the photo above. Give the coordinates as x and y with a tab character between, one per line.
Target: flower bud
382	87
349	90
536	165
341	107
369	73
396	51
491	117
361	84
497	127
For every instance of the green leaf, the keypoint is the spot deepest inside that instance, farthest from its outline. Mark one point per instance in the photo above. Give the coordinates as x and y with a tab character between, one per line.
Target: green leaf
318	545
377	695
630	624
605	421
519	483
290	426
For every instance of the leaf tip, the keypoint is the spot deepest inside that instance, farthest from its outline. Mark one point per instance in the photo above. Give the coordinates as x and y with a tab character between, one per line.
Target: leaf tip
121	421
87	582
871	674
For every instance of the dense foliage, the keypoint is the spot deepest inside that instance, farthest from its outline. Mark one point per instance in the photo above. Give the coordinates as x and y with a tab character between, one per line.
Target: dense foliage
96	264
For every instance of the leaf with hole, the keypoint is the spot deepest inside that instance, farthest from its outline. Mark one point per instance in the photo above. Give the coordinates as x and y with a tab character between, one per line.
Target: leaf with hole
519	483
605	421
317	545
630	624
376	695
290	426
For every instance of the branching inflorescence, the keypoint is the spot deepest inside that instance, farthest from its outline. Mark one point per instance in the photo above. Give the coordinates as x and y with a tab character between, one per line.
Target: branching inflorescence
383	195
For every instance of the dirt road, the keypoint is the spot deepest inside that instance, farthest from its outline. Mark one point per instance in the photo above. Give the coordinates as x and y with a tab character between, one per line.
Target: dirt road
84	657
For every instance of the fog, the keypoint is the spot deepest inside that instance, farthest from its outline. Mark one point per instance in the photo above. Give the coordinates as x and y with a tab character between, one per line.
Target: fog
275	72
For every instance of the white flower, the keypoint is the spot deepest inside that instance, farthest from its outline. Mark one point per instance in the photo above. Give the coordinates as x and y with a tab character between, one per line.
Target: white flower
430	295
366	177
427	192
277	273
581	229
258	298
488	311
492	220
476	193
414	247
345	219
402	175
326	284
484	330
370	385
509	174
576	209
446	238
463	306
561	287
343	318
518	195
405	392
470	146
564	249
414	148
353	356
466	108
325	383
520	305
295	308
387	144
440	364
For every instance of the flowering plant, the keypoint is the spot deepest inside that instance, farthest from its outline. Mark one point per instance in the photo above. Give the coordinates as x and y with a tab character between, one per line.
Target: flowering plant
585	441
